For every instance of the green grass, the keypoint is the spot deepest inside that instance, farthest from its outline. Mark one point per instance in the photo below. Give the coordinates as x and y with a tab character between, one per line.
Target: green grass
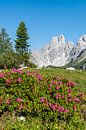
78	76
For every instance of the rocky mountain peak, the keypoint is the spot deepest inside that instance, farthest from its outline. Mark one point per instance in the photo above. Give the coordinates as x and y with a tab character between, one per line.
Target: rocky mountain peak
58	39
83	38
59	52
82	41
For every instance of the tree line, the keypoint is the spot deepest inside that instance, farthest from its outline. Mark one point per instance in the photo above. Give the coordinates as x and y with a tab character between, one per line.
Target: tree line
20	54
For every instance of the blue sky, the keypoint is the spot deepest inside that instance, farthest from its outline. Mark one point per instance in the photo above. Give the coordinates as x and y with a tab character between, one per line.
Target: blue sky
44	19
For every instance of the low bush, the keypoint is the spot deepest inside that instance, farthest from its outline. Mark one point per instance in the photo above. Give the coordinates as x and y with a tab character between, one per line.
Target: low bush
53	100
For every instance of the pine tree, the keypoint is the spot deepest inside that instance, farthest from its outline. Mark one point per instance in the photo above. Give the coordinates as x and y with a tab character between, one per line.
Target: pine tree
5	43
21	43
7	55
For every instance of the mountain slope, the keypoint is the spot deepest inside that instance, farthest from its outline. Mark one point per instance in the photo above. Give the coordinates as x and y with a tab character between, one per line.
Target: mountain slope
80	62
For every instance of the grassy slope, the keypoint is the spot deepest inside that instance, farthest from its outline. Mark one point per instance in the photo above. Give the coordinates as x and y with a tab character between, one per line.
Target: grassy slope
79	77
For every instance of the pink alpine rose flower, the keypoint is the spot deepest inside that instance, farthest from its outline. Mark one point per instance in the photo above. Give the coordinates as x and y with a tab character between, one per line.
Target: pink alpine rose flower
2	75
77	100
39	77
74	107
60	109
60	82
49	88
53	106
42	100
70	84
69	90
62	97
58	95
69	95
20	107
8	81
81	95
28	73
69	100
46	102
57	87
19	79
19	71
53	82
19	100
66	110
8	101
13	70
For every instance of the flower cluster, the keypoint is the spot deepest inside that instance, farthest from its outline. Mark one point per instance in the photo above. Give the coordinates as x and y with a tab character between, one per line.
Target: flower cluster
31	91
62	97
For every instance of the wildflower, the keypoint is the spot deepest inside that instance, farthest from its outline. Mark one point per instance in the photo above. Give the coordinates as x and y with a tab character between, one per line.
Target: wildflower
70	84
28	73
9	73
57	87
62	96
74	107
53	82
60	83
19	79
14	70
53	106
58	95
60	109
2	75
46	102
8	81
77	100
66	110
20	107
42	99
69	90
69	95
80	95
69	99
19	100
17	70
49	88
34	73
8	101
39	77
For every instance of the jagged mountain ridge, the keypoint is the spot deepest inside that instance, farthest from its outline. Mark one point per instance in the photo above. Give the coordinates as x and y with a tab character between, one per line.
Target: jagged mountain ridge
80	62
59	52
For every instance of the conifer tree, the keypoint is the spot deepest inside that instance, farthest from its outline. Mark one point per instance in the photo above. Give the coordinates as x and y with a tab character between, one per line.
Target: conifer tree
21	42
5	43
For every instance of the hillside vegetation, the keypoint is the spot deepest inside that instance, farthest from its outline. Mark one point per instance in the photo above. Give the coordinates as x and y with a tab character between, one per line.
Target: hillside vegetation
48	99
78	76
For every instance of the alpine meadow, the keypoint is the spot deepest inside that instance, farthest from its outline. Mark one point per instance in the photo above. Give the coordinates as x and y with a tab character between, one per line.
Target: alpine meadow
43	72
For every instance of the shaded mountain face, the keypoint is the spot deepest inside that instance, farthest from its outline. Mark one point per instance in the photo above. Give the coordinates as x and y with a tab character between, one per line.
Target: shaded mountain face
79	62
59	52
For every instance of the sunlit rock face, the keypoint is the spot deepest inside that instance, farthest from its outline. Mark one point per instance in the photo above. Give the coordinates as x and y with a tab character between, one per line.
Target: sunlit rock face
58	52
82	41
79	48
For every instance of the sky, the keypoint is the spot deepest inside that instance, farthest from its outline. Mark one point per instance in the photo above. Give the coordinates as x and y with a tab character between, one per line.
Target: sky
44	19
